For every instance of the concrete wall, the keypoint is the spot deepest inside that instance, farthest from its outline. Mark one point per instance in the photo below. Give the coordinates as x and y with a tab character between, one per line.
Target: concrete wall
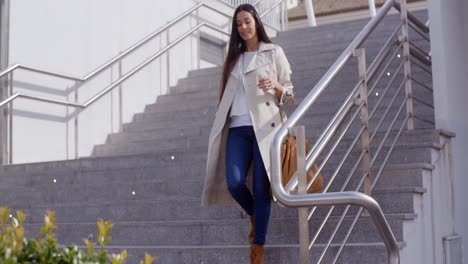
449	42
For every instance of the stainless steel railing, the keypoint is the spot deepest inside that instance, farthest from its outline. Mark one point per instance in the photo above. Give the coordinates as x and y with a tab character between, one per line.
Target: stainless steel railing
7	147
381	123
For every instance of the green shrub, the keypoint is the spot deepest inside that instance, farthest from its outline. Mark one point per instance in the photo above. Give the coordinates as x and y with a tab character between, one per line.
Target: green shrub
44	249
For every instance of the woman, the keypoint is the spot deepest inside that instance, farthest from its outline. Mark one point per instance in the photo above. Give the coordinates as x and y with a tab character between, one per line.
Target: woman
255	83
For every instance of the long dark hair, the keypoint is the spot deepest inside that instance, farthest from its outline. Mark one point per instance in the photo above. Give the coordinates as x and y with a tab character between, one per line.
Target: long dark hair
237	44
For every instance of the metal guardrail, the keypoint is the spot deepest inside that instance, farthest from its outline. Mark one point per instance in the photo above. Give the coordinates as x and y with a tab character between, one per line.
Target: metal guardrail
82	80
355	104
131	49
119	81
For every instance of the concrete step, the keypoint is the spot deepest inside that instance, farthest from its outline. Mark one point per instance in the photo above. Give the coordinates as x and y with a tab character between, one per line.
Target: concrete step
205	72
136	210
196	93
200	123
148	205
353	253
84	183
193	105
60	178
328	103
161	189
321	112
146	166
180	158
314	126
404	175
336	93
123	185
222	232
170	177
159	135
183	133
151	146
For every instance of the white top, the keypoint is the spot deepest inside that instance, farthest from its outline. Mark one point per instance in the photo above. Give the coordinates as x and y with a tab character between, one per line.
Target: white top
239	110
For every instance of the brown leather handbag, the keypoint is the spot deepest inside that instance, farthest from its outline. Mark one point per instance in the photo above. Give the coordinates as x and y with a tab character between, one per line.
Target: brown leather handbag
289	163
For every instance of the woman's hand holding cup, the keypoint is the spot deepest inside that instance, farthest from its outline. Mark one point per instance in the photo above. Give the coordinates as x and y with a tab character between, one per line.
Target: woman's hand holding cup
264	81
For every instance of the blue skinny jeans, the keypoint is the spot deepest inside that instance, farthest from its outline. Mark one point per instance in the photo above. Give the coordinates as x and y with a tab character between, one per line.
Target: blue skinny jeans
241	150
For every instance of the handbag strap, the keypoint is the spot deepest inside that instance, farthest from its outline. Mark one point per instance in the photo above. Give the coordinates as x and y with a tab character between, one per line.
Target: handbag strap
293	102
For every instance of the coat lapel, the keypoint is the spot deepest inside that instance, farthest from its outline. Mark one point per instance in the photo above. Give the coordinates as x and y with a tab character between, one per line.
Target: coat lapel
260	59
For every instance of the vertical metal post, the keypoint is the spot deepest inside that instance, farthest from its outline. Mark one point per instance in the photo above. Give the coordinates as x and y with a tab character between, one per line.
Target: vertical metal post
372	8
168	64
4	49
77	111
310	13
10	121
3	124
3	139
67	125
111	69
161	82
299	132
198	39
407	66
361	56
120	98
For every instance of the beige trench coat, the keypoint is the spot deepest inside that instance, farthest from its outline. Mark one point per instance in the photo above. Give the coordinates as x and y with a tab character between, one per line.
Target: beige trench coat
264	112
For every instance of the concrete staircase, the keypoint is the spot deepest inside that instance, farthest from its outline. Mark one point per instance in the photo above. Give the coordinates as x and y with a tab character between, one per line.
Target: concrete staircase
148	178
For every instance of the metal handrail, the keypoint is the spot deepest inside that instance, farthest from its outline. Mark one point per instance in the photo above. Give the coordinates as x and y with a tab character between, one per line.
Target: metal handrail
120	56
116	83
39	98
38	70
131	49
224	3
339	117
326	79
339	198
270	9
334	69
152	58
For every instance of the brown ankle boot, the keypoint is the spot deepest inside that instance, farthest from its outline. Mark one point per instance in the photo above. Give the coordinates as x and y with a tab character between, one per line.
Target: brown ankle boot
256	254
251	233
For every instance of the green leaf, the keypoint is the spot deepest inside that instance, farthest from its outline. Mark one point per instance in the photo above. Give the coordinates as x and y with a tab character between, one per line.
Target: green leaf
14	222
149	259
89	246
50	223
21	216
4	214
104	229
